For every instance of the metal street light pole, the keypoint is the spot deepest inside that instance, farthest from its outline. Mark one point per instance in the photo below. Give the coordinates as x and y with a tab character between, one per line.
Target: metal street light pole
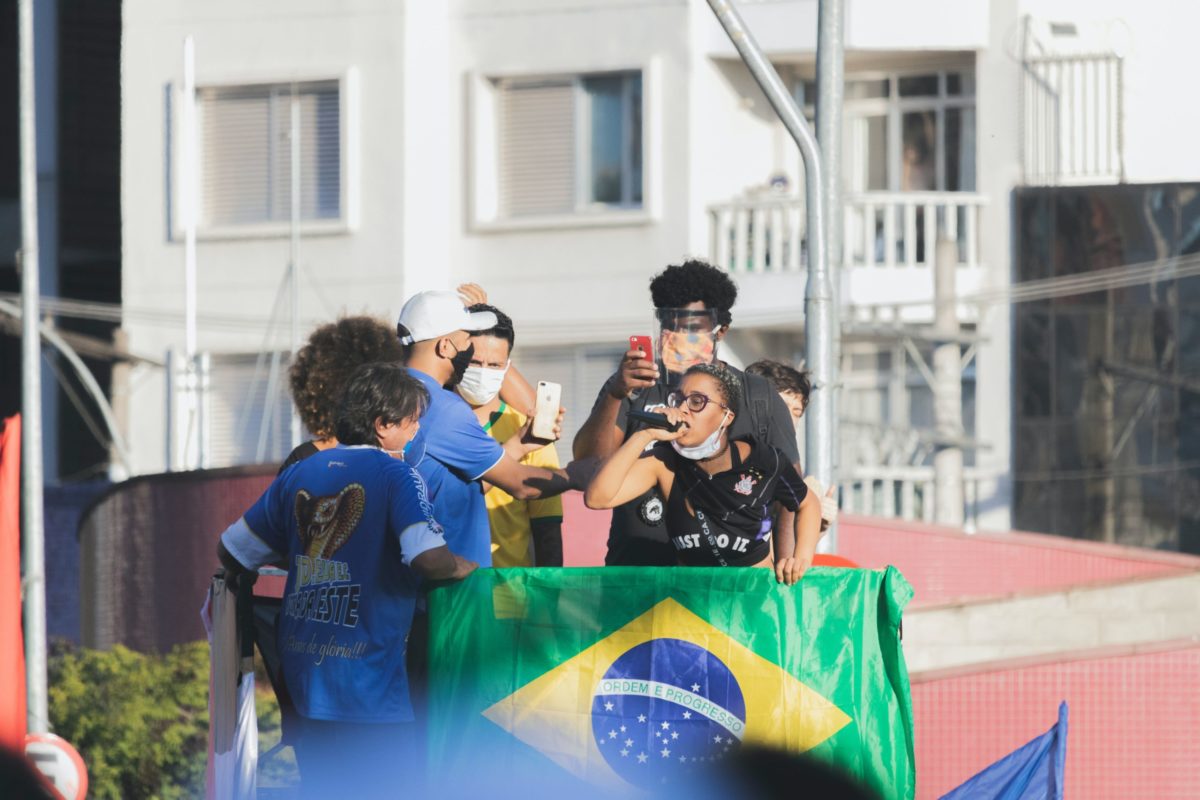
33	544
830	93
818	291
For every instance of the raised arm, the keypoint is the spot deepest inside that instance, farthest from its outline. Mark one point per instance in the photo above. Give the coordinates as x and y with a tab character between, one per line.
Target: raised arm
600	435
518	392
625	475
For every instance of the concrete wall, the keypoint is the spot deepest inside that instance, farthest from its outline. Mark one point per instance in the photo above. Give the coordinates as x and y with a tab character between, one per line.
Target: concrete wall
1139	611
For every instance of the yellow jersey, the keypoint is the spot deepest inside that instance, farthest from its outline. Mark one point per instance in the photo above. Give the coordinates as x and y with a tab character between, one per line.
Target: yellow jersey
512	539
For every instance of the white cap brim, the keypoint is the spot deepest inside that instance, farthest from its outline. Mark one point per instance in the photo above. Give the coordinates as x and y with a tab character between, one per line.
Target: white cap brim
480	321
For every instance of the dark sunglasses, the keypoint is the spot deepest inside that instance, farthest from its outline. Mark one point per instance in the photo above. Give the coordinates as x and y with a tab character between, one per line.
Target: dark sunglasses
695	401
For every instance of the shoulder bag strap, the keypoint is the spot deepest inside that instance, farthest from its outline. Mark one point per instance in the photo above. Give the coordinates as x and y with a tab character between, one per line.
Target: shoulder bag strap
712	540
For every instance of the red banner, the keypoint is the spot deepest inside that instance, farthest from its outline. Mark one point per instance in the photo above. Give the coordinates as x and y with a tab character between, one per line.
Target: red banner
12	641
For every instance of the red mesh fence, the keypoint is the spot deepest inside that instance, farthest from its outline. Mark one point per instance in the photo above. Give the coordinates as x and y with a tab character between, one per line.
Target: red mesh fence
944	564
940	563
1132	733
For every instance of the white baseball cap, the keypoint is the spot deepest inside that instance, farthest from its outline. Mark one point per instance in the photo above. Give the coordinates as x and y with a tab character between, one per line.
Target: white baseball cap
429	315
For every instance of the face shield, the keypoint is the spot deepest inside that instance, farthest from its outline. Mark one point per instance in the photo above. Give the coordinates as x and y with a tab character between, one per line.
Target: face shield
684	338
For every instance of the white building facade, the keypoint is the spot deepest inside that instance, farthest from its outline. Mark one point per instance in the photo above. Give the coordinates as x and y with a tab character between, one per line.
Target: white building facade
561	152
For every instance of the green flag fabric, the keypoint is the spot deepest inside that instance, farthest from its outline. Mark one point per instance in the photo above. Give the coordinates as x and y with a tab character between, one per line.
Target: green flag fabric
638	677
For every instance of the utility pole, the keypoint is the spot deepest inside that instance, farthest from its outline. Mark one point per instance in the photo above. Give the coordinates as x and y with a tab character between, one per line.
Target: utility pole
818	291
830	93
947	390
33	543
819	304
294	259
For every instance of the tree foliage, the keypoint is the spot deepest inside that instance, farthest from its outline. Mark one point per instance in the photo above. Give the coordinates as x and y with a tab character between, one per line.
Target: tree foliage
139	721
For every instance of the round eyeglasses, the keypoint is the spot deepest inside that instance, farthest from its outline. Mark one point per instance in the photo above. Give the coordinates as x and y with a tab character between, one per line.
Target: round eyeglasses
694	401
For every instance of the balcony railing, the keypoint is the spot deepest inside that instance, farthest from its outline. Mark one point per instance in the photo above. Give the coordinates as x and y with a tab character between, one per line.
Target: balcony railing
766	233
906	492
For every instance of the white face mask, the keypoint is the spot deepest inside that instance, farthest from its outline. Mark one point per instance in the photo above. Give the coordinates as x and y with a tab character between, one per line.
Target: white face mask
705	449
480	384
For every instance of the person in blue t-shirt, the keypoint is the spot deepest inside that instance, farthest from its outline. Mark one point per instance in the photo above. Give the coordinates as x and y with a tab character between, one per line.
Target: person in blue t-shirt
357	531
452	451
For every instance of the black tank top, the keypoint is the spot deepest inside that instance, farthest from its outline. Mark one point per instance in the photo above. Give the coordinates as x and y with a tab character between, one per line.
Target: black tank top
734	505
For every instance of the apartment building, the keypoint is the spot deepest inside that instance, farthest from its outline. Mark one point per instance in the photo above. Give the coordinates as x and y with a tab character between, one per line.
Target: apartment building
560	152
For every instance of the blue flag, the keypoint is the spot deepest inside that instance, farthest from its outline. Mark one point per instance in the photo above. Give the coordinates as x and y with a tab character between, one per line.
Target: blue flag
1032	772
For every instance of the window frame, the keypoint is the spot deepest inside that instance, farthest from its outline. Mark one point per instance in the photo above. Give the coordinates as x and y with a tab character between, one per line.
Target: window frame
348	155
894	107
486	214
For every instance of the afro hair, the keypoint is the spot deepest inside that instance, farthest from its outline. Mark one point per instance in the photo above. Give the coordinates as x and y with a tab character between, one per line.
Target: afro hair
681	284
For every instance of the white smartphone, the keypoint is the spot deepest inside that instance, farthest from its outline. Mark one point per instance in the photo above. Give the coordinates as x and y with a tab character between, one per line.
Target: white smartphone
549	400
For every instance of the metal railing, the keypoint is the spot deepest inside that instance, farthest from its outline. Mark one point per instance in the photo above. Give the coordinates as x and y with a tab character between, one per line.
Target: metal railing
766	234
906	492
1072	118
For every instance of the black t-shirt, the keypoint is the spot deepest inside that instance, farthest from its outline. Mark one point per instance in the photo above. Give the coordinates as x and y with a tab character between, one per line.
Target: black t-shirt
637	536
302	451
731	523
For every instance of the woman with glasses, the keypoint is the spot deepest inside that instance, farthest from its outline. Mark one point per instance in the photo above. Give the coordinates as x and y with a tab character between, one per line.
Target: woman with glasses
718	491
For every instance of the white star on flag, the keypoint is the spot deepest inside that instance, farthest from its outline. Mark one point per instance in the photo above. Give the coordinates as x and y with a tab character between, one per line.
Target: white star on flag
641	717
666	753
695	687
622	729
612	734
687	715
642	758
666	725
717	739
608	706
624	753
629	742
674	734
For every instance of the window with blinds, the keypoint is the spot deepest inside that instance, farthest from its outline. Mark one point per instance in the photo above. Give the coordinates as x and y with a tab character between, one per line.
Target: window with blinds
250	412
246	153
570	144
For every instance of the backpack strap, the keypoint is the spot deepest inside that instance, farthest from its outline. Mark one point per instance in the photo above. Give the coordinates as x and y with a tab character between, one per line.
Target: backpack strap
758	401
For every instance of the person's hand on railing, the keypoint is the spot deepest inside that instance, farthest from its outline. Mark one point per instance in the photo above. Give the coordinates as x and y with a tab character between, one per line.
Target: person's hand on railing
790	569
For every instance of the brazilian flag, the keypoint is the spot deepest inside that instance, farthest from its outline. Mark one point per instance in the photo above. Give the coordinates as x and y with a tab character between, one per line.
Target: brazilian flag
638	677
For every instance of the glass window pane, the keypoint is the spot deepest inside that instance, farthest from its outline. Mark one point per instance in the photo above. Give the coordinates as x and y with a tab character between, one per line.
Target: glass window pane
805	92
960	83
635	138
867	89
919	86
607	137
867	153
960	149
918	162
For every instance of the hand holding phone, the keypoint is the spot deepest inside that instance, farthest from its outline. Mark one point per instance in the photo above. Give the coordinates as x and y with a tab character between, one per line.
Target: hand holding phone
637	371
545	415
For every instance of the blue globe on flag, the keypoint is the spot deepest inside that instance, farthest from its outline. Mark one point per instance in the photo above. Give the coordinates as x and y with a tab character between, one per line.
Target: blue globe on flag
665	708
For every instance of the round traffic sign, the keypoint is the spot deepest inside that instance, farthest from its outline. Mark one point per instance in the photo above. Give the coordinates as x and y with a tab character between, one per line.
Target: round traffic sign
54	757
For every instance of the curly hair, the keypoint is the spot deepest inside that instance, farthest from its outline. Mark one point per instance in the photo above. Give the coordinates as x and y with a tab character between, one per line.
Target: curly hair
783	378
321	370
731	387
381	391
692	281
